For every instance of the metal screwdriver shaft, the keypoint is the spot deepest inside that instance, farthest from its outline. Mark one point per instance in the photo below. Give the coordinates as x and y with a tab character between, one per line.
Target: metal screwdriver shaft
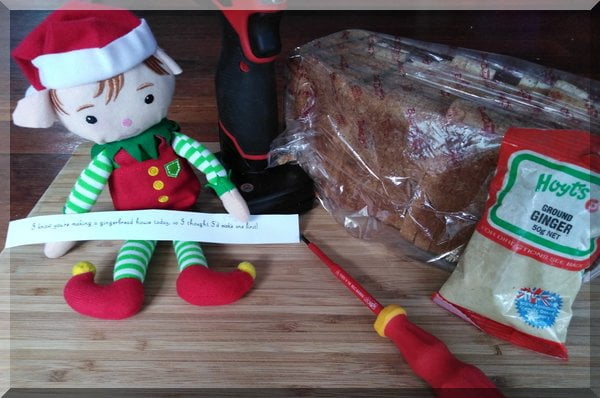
343	276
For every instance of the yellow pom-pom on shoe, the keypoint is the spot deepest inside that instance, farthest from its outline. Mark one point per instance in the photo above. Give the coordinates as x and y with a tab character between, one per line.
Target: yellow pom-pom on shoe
82	267
248	268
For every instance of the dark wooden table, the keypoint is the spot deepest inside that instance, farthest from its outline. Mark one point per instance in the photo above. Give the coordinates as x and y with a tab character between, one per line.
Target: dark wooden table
561	40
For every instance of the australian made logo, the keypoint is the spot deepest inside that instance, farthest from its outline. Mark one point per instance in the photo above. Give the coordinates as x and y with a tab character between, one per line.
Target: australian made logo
545	203
537	307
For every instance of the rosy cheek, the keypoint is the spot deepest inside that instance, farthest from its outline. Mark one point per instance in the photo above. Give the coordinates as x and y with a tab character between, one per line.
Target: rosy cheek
126	122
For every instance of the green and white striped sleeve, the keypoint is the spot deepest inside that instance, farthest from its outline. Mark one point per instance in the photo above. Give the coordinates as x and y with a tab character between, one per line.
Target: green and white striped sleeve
89	185
205	161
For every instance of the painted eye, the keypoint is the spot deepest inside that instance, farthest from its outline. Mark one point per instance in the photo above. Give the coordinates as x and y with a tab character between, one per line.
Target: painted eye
149	99
91	119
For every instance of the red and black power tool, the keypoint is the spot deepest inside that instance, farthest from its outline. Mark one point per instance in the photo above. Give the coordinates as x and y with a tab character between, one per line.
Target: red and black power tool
248	112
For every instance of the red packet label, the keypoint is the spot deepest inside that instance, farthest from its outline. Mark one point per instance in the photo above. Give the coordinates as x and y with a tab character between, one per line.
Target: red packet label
544	200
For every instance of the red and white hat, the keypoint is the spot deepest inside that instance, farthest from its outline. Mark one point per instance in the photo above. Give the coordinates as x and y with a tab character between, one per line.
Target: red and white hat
83	43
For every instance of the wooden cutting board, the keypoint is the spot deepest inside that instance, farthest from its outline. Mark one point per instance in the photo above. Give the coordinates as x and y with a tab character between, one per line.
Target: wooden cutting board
298	328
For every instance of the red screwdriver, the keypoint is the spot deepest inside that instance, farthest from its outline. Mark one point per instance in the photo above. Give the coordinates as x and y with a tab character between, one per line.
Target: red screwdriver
427	355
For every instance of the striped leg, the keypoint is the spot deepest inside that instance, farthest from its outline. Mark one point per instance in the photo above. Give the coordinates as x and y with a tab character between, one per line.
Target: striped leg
133	259
189	253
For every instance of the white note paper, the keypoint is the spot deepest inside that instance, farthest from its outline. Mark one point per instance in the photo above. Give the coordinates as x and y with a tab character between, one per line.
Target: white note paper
154	225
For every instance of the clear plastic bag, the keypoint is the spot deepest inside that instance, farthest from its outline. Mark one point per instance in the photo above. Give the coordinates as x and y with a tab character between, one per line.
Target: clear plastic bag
402	137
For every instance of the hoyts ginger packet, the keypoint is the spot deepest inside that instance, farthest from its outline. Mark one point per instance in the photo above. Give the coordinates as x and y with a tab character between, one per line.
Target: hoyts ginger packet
523	267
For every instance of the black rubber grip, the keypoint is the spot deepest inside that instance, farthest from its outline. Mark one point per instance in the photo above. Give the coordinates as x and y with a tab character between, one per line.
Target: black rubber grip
263	32
246	100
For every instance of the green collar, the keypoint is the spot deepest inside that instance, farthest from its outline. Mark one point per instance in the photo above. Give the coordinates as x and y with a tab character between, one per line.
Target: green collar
142	146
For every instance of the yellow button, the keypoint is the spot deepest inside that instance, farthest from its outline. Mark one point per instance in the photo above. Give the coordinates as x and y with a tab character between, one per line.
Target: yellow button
153	171
163	199
158	185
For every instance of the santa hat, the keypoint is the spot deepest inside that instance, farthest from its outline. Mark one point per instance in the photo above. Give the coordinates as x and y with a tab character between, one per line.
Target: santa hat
83	43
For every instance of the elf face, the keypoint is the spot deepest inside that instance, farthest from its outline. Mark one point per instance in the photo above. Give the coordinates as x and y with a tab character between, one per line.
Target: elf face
117	108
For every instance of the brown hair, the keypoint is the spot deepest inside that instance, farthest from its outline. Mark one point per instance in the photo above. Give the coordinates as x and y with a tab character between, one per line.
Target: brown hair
114	84
156	65
55	101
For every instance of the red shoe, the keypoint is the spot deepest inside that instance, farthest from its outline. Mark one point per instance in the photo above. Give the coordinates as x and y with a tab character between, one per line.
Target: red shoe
199	285
121	299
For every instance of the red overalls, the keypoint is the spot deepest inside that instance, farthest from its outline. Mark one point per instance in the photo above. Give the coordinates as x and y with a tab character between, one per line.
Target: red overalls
164	183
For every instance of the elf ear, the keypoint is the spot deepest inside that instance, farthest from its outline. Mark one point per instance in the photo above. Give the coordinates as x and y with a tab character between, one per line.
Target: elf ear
35	110
168	61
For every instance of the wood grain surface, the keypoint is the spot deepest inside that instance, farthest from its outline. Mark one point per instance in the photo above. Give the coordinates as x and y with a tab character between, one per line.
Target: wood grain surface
299	328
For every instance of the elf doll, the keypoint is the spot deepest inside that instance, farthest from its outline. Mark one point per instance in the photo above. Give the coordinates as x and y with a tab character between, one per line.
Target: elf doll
100	72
